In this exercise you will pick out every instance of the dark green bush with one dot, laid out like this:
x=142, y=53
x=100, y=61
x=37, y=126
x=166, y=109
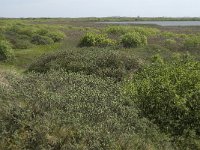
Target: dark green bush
x=58, y=110
x=171, y=44
x=93, y=39
x=102, y=62
x=21, y=44
x=118, y=30
x=121, y=30
x=6, y=52
x=41, y=40
x=168, y=93
x=133, y=39
x=56, y=36
x=42, y=31
x=192, y=43
x=21, y=35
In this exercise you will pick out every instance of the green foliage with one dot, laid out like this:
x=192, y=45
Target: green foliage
x=21, y=44
x=56, y=36
x=6, y=52
x=170, y=43
x=41, y=40
x=133, y=39
x=71, y=111
x=102, y=62
x=121, y=30
x=93, y=39
x=192, y=43
x=22, y=35
x=168, y=93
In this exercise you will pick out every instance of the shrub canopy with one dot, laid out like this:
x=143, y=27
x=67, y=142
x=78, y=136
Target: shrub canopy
x=168, y=93
x=6, y=52
x=133, y=39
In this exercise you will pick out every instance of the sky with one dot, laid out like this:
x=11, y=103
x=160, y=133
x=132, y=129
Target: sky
x=99, y=8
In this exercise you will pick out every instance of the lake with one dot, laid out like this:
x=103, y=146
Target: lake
x=160, y=23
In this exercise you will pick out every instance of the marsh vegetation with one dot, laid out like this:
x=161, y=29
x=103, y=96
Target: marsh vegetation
x=75, y=84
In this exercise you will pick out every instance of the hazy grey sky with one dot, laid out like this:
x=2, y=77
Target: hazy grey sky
x=99, y=8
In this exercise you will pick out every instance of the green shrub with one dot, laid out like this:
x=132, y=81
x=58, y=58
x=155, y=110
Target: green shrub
x=21, y=44
x=6, y=52
x=146, y=31
x=41, y=40
x=1, y=37
x=168, y=93
x=170, y=43
x=169, y=35
x=133, y=40
x=56, y=36
x=93, y=39
x=22, y=35
x=192, y=43
x=119, y=30
x=42, y=31
x=102, y=62
x=58, y=110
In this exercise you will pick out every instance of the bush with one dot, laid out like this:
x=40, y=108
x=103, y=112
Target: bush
x=21, y=44
x=118, y=30
x=192, y=43
x=56, y=36
x=6, y=52
x=21, y=35
x=171, y=44
x=42, y=31
x=121, y=30
x=41, y=40
x=102, y=62
x=168, y=93
x=92, y=39
x=58, y=110
x=133, y=40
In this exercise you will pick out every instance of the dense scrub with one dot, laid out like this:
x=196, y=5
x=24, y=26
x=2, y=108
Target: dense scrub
x=6, y=52
x=192, y=43
x=102, y=62
x=133, y=39
x=23, y=36
x=168, y=93
x=77, y=97
x=93, y=39
x=72, y=111
x=121, y=30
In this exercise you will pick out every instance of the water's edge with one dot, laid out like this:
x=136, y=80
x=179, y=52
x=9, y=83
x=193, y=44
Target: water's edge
x=160, y=23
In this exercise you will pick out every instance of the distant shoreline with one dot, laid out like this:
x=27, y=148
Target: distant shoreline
x=115, y=19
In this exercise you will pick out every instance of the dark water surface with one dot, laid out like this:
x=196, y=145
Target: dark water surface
x=160, y=23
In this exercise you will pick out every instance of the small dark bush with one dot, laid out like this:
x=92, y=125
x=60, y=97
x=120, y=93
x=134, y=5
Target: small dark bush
x=56, y=36
x=192, y=43
x=21, y=44
x=41, y=40
x=6, y=52
x=133, y=39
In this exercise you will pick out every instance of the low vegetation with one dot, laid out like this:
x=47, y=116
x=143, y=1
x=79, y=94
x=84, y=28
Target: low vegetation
x=101, y=62
x=168, y=93
x=76, y=84
x=99, y=40
x=134, y=40
x=6, y=52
